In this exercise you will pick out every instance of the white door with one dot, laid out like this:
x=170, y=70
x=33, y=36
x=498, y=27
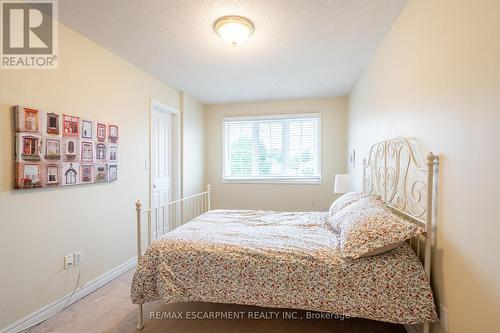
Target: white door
x=162, y=144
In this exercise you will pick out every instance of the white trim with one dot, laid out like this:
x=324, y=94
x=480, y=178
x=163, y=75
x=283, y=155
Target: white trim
x=177, y=167
x=163, y=107
x=55, y=307
x=273, y=116
x=291, y=180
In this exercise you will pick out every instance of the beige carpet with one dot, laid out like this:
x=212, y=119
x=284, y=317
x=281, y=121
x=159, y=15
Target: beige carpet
x=109, y=310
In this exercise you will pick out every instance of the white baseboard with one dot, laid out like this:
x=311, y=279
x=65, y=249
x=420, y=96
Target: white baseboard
x=52, y=309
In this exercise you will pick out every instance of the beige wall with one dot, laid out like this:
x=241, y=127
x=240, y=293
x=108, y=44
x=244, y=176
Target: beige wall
x=290, y=197
x=193, y=138
x=436, y=78
x=38, y=227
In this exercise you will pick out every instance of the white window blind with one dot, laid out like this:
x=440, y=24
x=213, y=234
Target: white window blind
x=274, y=148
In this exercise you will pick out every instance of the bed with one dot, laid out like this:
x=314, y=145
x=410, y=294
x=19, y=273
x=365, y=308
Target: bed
x=292, y=259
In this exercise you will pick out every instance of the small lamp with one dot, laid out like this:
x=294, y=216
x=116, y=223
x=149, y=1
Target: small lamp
x=341, y=183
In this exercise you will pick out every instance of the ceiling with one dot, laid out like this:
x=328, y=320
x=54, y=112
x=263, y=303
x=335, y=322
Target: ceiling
x=300, y=48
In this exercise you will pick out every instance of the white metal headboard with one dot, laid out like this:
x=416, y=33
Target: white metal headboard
x=396, y=172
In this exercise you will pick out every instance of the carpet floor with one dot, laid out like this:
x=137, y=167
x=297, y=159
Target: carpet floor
x=108, y=310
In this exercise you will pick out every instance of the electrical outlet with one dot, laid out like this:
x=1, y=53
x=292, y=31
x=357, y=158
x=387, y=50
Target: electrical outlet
x=68, y=261
x=78, y=258
x=443, y=316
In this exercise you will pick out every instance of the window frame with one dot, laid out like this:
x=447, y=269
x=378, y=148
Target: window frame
x=113, y=153
x=269, y=180
x=51, y=129
x=34, y=113
x=101, y=137
x=85, y=124
x=68, y=153
x=49, y=167
x=89, y=169
x=35, y=167
x=35, y=145
x=72, y=171
x=55, y=156
x=69, y=121
x=98, y=148
x=90, y=145
x=113, y=137
x=112, y=172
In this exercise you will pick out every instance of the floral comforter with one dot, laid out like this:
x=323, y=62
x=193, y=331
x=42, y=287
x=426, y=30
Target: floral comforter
x=285, y=260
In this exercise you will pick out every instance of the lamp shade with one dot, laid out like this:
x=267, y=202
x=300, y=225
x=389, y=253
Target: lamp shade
x=341, y=183
x=234, y=30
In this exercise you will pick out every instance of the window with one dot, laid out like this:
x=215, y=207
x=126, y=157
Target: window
x=101, y=132
x=70, y=175
x=87, y=173
x=30, y=146
x=31, y=120
x=52, y=149
x=112, y=153
x=70, y=125
x=112, y=173
x=30, y=176
x=113, y=133
x=100, y=151
x=87, y=151
x=52, y=123
x=272, y=148
x=52, y=174
x=31, y=172
x=70, y=148
x=86, y=129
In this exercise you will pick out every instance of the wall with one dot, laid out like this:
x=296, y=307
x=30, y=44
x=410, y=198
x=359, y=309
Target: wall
x=436, y=77
x=38, y=227
x=291, y=197
x=193, y=138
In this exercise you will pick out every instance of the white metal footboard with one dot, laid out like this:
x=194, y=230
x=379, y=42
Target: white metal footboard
x=165, y=218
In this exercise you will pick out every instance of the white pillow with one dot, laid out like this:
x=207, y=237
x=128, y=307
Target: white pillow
x=345, y=200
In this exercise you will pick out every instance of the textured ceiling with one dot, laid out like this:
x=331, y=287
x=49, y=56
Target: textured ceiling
x=300, y=48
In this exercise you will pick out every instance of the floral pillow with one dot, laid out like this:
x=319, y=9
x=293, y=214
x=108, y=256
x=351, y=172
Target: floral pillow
x=366, y=227
x=345, y=200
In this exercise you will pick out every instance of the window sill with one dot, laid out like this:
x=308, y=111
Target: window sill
x=273, y=181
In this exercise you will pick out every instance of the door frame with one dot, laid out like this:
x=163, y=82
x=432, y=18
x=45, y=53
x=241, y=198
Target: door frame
x=176, y=147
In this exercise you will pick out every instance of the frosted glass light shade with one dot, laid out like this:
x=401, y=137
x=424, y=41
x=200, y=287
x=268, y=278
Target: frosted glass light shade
x=234, y=30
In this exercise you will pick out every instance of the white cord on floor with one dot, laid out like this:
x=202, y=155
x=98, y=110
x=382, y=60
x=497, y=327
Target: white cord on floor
x=65, y=305
x=73, y=292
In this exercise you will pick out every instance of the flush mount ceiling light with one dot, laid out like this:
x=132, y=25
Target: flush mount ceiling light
x=234, y=30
